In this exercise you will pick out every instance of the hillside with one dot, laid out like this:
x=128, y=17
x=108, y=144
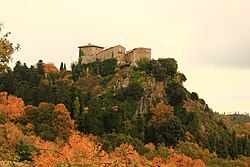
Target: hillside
x=114, y=114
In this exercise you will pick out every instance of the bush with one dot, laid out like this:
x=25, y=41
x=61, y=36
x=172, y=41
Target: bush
x=24, y=151
x=194, y=151
x=133, y=91
x=112, y=140
x=176, y=93
x=194, y=96
x=161, y=69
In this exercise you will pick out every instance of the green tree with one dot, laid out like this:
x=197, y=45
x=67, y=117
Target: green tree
x=77, y=71
x=161, y=69
x=111, y=141
x=64, y=67
x=194, y=96
x=222, y=149
x=50, y=121
x=247, y=146
x=234, y=149
x=176, y=93
x=76, y=108
x=61, y=67
x=107, y=67
x=24, y=151
x=40, y=68
x=169, y=66
x=81, y=54
x=133, y=91
x=221, y=123
x=170, y=130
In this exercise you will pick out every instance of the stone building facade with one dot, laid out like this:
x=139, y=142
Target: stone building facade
x=91, y=53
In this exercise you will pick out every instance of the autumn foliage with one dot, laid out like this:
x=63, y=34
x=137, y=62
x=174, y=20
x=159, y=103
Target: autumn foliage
x=44, y=136
x=50, y=68
x=11, y=136
x=161, y=109
x=116, y=110
x=11, y=107
x=79, y=150
x=183, y=161
x=82, y=150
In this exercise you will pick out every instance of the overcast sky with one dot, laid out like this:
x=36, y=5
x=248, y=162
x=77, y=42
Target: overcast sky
x=210, y=39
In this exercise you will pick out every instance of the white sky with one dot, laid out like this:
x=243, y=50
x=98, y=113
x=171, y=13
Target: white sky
x=210, y=39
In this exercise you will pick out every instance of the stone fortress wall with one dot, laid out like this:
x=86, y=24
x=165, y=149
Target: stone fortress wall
x=91, y=53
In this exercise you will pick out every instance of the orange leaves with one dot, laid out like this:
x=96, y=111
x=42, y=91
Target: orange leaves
x=10, y=136
x=159, y=90
x=161, y=109
x=158, y=162
x=10, y=106
x=126, y=155
x=50, y=68
x=79, y=150
x=62, y=113
x=62, y=120
x=49, y=155
x=184, y=161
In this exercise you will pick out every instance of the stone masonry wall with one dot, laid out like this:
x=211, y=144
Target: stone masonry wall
x=93, y=53
x=117, y=52
x=138, y=54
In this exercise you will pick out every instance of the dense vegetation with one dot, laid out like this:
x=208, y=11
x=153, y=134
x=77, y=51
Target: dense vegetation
x=104, y=114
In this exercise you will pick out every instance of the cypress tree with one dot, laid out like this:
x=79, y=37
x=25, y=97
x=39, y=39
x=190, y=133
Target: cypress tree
x=76, y=108
x=81, y=54
x=64, y=67
x=61, y=66
x=226, y=152
x=234, y=149
x=246, y=146
x=40, y=68
x=222, y=148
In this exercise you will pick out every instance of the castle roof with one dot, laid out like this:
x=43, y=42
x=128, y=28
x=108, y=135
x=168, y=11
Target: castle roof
x=111, y=48
x=141, y=48
x=90, y=45
x=137, y=49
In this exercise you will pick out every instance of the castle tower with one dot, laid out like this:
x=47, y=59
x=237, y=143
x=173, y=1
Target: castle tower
x=138, y=54
x=87, y=53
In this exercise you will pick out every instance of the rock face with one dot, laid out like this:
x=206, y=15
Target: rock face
x=91, y=53
x=155, y=91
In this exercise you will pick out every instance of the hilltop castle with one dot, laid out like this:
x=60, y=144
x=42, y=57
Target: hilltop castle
x=91, y=53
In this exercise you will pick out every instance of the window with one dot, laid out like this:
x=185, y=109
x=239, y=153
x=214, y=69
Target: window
x=119, y=50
